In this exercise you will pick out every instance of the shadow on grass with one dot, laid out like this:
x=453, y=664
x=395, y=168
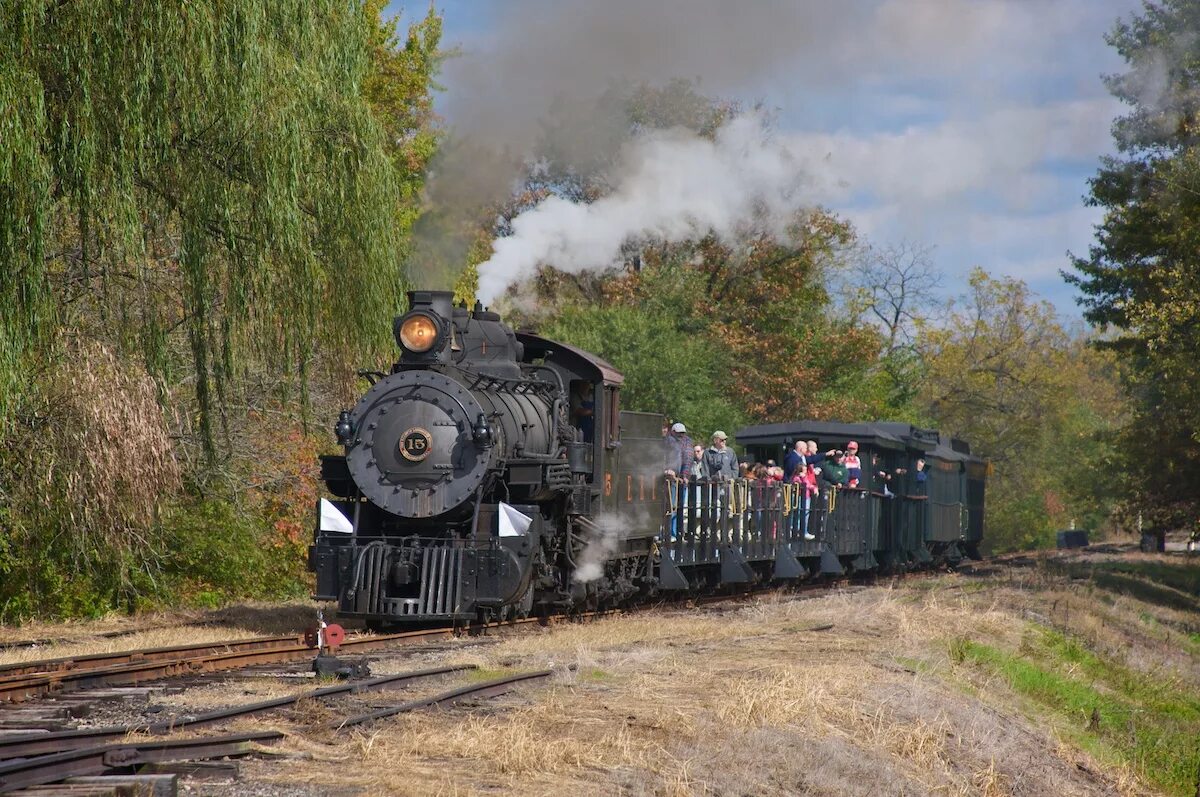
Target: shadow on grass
x=1173, y=586
x=269, y=620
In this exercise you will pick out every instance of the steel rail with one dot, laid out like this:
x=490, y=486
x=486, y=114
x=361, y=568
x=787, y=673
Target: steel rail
x=24, y=687
x=32, y=744
x=27, y=772
x=9, y=672
x=41, y=770
x=483, y=689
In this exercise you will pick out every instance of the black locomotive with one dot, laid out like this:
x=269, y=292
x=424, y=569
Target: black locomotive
x=492, y=474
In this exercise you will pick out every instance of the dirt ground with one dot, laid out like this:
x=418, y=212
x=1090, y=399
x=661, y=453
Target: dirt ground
x=902, y=688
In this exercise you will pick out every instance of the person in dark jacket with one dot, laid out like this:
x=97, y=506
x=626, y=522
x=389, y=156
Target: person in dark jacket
x=835, y=472
x=794, y=459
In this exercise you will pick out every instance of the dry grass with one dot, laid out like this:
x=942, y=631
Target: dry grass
x=80, y=638
x=745, y=701
x=751, y=699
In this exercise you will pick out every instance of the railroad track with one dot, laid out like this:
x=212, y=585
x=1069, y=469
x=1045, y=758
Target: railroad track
x=92, y=758
x=29, y=680
x=42, y=757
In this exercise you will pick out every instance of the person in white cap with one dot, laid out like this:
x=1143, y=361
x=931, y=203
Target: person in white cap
x=678, y=452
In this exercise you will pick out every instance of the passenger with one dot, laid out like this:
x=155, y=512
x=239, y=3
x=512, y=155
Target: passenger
x=758, y=493
x=806, y=476
x=883, y=477
x=794, y=459
x=922, y=475
x=720, y=464
x=583, y=410
x=802, y=455
x=677, y=452
x=696, y=465
x=853, y=465
x=834, y=473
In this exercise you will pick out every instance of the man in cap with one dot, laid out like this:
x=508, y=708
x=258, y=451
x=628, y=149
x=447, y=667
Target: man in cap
x=677, y=452
x=835, y=470
x=720, y=464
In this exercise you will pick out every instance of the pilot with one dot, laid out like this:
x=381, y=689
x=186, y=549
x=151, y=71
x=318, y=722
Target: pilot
x=583, y=410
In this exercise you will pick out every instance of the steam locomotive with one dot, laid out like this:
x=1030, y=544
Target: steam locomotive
x=492, y=474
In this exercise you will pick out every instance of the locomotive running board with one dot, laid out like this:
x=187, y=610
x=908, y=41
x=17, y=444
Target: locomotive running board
x=787, y=565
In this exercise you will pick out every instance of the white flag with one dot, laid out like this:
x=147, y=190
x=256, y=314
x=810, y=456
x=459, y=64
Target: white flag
x=512, y=522
x=332, y=519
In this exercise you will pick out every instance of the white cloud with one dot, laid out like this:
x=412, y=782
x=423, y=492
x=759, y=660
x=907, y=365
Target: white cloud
x=1006, y=152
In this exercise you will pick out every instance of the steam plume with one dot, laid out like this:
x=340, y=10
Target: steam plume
x=602, y=544
x=670, y=185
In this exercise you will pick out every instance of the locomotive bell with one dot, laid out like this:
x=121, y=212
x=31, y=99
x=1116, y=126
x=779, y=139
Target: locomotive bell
x=423, y=333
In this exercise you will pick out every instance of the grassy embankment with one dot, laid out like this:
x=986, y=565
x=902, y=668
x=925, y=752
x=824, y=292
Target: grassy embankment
x=1145, y=719
x=1054, y=679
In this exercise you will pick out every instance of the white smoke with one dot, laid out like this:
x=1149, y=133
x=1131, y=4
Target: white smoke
x=670, y=185
x=599, y=548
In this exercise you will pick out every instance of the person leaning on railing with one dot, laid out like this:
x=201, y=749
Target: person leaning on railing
x=677, y=452
x=696, y=464
x=834, y=473
x=720, y=463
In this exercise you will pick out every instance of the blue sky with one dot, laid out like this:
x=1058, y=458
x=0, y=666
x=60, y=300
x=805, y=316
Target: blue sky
x=968, y=125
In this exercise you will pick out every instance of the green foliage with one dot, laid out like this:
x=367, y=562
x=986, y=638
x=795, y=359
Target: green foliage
x=1031, y=398
x=666, y=369
x=213, y=167
x=1113, y=712
x=204, y=211
x=218, y=551
x=1141, y=277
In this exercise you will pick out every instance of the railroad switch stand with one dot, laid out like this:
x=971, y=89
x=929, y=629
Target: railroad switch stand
x=326, y=638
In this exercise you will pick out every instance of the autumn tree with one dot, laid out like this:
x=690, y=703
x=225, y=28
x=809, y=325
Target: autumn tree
x=1141, y=278
x=1033, y=399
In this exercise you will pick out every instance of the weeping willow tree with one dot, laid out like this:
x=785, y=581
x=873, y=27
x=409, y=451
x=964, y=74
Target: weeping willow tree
x=191, y=191
x=210, y=166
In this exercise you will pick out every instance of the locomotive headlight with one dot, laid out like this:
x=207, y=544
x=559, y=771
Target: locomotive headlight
x=418, y=333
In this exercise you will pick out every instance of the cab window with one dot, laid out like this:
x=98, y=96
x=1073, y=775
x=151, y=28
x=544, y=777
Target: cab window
x=612, y=425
